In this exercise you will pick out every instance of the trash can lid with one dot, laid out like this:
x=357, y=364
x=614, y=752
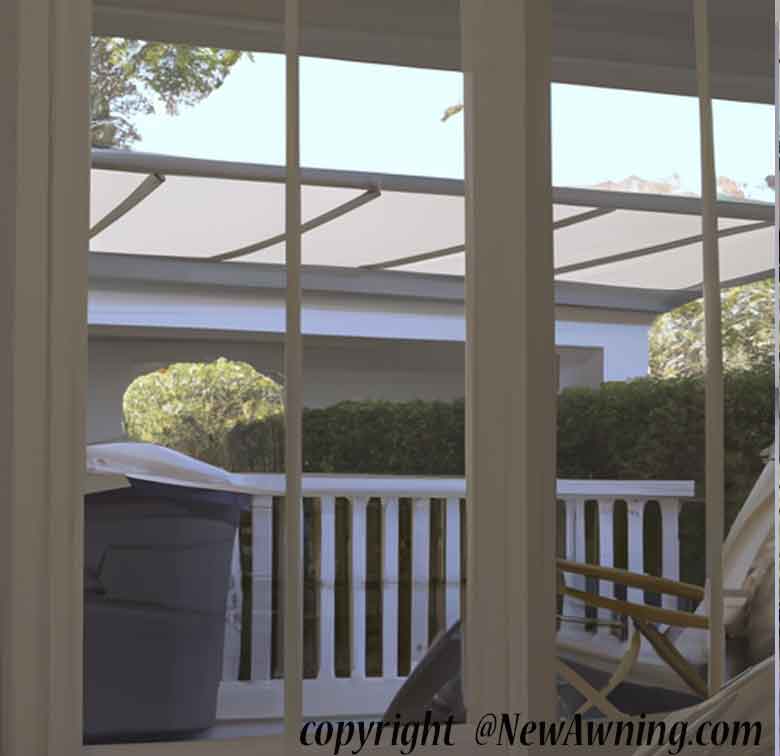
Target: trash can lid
x=110, y=465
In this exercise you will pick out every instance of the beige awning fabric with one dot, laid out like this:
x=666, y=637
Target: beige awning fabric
x=206, y=210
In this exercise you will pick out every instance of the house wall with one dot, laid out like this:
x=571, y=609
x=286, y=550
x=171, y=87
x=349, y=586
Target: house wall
x=340, y=369
x=333, y=370
x=625, y=345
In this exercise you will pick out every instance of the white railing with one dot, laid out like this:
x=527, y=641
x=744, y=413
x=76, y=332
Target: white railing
x=358, y=694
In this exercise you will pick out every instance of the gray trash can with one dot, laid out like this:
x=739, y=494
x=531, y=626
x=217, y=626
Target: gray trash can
x=156, y=573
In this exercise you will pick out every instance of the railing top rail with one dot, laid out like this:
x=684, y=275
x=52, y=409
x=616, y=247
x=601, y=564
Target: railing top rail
x=151, y=462
x=430, y=486
x=355, y=485
x=626, y=489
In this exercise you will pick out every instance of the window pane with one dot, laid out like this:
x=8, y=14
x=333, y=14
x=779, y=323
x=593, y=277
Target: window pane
x=184, y=578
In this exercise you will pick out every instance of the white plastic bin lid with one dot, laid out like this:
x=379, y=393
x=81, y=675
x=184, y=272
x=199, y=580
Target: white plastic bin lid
x=110, y=465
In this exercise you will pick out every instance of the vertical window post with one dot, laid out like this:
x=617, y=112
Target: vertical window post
x=44, y=220
x=510, y=614
x=293, y=510
x=714, y=484
x=776, y=63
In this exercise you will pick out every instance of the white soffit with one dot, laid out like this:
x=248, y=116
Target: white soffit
x=408, y=224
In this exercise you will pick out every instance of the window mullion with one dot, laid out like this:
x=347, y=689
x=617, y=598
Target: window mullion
x=293, y=592
x=713, y=418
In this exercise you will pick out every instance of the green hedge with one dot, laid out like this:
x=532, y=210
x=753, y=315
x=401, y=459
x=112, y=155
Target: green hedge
x=393, y=438
x=653, y=428
x=649, y=428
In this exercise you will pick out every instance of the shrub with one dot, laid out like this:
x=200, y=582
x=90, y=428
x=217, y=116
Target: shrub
x=195, y=408
x=394, y=438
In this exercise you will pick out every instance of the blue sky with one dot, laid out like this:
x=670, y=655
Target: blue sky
x=358, y=116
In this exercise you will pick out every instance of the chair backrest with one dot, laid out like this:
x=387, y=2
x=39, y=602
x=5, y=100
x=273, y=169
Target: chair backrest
x=742, y=550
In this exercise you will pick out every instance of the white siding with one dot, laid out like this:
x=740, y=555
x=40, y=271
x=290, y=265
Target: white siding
x=625, y=345
x=334, y=370
x=339, y=369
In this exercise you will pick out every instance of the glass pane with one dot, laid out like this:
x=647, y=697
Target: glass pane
x=631, y=447
x=590, y=126
x=384, y=379
x=183, y=593
x=349, y=110
x=218, y=105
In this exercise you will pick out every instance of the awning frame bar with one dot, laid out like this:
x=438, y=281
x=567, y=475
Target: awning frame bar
x=140, y=162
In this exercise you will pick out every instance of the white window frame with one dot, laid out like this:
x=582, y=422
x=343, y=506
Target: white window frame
x=44, y=197
x=510, y=359
x=776, y=450
x=509, y=658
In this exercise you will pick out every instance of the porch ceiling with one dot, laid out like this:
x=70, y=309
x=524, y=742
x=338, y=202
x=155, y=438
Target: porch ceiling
x=642, y=44
x=148, y=205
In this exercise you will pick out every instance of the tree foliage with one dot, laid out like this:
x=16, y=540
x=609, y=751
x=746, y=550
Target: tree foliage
x=194, y=407
x=677, y=338
x=130, y=77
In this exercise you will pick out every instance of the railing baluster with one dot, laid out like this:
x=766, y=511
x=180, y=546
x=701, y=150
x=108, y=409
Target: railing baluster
x=231, y=656
x=358, y=635
x=573, y=494
x=327, y=669
x=636, y=545
x=606, y=555
x=262, y=584
x=390, y=587
x=452, y=562
x=575, y=551
x=670, y=540
x=421, y=524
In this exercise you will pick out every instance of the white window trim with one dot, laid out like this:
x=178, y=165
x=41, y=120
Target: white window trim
x=509, y=663
x=44, y=341
x=48, y=352
x=510, y=360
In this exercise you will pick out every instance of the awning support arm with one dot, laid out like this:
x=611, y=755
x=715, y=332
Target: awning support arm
x=138, y=195
x=320, y=220
x=447, y=251
x=656, y=248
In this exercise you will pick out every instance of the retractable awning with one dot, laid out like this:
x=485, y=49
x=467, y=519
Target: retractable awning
x=187, y=209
